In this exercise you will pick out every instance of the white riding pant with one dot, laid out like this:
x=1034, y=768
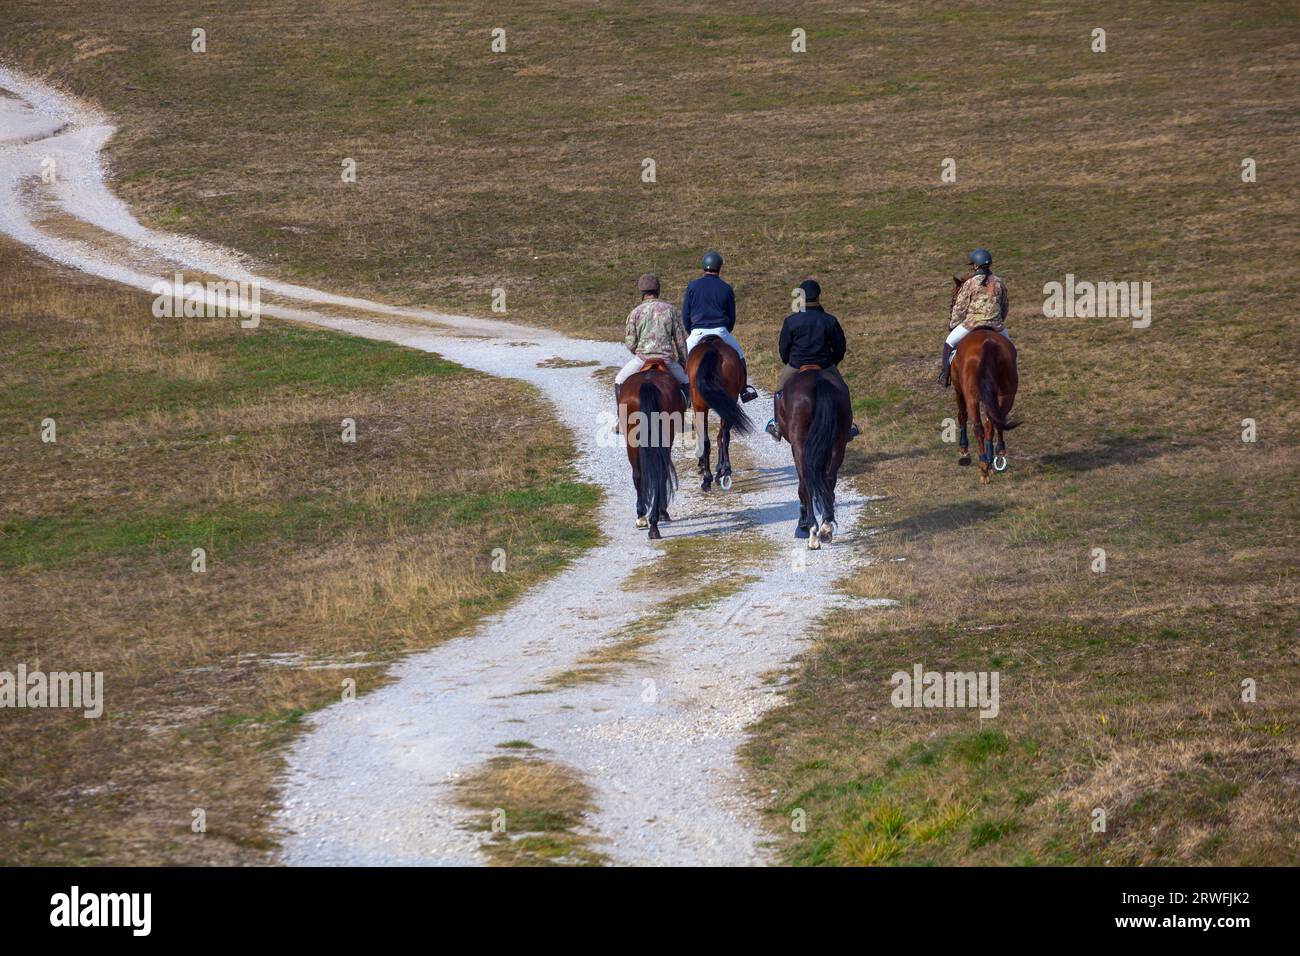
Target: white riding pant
x=634, y=366
x=693, y=339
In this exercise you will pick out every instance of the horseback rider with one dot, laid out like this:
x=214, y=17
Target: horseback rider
x=709, y=308
x=810, y=337
x=654, y=332
x=981, y=302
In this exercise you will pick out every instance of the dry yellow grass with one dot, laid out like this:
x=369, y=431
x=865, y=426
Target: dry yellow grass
x=324, y=560
x=534, y=811
x=522, y=171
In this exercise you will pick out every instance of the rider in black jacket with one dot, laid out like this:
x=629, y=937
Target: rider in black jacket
x=810, y=337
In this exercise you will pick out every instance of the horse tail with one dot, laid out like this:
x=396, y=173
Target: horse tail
x=818, y=444
x=708, y=381
x=658, y=476
x=989, y=359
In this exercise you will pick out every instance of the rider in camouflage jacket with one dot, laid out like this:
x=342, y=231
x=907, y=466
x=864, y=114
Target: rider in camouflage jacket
x=980, y=302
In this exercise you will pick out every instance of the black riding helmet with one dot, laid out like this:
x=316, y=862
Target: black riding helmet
x=981, y=258
x=712, y=261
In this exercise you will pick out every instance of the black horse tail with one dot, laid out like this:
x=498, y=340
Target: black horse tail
x=818, y=444
x=989, y=387
x=708, y=381
x=658, y=476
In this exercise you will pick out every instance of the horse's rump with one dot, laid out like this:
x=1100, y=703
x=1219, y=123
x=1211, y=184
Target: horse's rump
x=996, y=367
x=719, y=390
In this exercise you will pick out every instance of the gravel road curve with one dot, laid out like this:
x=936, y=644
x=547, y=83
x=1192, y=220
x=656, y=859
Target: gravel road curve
x=370, y=782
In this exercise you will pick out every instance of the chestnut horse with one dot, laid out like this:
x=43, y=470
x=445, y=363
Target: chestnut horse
x=651, y=407
x=815, y=414
x=717, y=377
x=984, y=373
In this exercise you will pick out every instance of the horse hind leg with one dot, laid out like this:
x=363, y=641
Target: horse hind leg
x=963, y=443
x=639, y=485
x=827, y=528
x=984, y=441
x=724, y=457
x=702, y=465
x=1000, y=452
x=801, y=529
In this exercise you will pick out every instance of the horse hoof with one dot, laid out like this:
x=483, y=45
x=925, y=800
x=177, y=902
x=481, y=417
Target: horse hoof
x=963, y=458
x=814, y=543
x=984, y=478
x=1000, y=463
x=705, y=484
x=654, y=534
x=725, y=482
x=801, y=532
x=825, y=531
x=642, y=523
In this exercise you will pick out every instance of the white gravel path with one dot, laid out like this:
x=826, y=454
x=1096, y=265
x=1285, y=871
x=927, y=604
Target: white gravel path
x=369, y=783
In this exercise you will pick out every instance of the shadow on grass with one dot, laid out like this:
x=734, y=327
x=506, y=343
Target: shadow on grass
x=946, y=518
x=1114, y=450
x=859, y=462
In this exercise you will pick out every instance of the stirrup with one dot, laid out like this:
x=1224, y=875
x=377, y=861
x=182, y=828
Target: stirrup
x=748, y=394
x=773, y=429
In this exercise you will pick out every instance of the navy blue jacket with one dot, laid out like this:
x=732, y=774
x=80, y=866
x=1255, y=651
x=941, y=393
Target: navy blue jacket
x=812, y=337
x=709, y=303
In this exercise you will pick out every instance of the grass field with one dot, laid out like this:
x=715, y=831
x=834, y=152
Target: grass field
x=522, y=170
x=324, y=559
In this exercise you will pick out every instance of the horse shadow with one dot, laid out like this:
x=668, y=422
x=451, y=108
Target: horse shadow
x=861, y=462
x=945, y=518
x=1114, y=450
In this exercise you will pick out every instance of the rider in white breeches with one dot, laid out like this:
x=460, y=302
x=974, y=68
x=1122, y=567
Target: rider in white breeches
x=694, y=338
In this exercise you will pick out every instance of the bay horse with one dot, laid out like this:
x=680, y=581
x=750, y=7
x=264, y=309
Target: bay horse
x=651, y=408
x=814, y=414
x=717, y=376
x=984, y=374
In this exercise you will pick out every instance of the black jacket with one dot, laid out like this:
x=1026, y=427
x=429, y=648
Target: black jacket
x=812, y=337
x=709, y=303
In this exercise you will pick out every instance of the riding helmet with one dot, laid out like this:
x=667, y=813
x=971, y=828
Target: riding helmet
x=712, y=261
x=649, y=282
x=981, y=258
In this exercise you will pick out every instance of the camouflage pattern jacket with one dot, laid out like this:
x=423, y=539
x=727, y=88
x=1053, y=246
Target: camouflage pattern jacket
x=655, y=330
x=980, y=305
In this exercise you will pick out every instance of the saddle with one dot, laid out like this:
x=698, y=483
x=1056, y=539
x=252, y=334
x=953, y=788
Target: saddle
x=813, y=367
x=655, y=365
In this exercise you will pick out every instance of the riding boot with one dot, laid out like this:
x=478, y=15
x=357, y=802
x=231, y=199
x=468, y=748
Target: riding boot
x=747, y=394
x=686, y=394
x=772, y=428
x=945, y=373
x=618, y=418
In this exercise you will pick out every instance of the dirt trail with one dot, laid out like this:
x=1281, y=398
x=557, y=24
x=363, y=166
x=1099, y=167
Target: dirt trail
x=370, y=782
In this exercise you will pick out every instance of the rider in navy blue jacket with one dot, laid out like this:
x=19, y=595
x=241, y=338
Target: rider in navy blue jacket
x=709, y=308
x=709, y=303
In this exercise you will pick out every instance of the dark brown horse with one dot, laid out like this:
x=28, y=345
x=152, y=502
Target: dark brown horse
x=984, y=374
x=717, y=377
x=814, y=414
x=651, y=408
